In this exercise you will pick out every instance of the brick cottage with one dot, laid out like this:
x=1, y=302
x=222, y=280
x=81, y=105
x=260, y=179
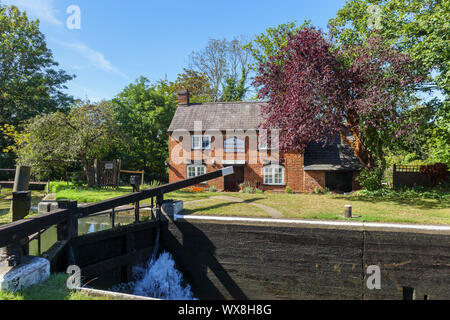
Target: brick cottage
x=209, y=136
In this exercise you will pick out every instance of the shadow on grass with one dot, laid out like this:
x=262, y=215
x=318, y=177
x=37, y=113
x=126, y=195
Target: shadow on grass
x=217, y=206
x=414, y=201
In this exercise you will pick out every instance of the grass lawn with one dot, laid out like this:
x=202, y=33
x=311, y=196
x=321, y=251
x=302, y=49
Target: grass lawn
x=400, y=207
x=53, y=289
x=374, y=209
x=223, y=208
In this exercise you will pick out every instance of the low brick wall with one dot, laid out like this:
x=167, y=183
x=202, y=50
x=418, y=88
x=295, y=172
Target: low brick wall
x=249, y=260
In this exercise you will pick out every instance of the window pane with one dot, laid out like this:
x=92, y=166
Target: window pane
x=206, y=141
x=273, y=174
x=196, y=142
x=191, y=171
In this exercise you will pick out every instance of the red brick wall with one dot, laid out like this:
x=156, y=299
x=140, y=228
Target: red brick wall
x=293, y=164
x=314, y=179
x=294, y=176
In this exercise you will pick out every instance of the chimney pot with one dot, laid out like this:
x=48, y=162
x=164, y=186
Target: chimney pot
x=183, y=97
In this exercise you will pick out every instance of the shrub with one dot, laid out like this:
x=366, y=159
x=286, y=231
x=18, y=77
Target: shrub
x=212, y=189
x=249, y=190
x=56, y=186
x=371, y=179
x=317, y=191
x=153, y=184
x=259, y=191
x=77, y=178
x=288, y=189
x=247, y=185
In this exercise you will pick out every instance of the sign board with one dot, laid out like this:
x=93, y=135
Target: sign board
x=109, y=166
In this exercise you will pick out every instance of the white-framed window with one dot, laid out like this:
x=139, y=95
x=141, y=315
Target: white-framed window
x=262, y=143
x=194, y=170
x=273, y=175
x=199, y=142
x=234, y=145
x=267, y=141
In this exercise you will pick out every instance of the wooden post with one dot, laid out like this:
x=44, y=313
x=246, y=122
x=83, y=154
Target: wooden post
x=134, y=181
x=69, y=228
x=113, y=217
x=21, y=204
x=22, y=178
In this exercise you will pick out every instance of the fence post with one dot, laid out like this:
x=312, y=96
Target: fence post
x=68, y=229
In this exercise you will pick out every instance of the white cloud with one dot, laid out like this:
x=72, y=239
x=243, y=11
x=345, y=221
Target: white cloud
x=97, y=59
x=41, y=9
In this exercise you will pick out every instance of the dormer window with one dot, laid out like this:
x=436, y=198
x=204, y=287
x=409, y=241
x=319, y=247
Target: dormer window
x=200, y=142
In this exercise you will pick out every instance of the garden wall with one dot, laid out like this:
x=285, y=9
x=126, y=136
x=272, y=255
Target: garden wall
x=251, y=260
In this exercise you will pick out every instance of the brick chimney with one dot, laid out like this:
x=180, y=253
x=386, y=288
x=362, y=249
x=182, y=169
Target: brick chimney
x=183, y=97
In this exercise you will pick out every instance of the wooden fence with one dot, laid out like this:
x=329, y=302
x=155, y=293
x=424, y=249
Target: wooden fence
x=410, y=176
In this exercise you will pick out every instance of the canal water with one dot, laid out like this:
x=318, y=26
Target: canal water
x=157, y=278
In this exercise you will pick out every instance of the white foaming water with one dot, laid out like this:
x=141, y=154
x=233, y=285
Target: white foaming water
x=158, y=279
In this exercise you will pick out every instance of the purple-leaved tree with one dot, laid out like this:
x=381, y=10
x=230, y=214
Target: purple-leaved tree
x=315, y=91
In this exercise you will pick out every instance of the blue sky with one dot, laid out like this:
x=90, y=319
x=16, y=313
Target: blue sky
x=122, y=40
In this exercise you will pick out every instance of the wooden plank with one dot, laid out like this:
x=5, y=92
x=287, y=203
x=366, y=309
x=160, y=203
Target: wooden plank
x=23, y=228
x=113, y=263
x=34, y=186
x=113, y=233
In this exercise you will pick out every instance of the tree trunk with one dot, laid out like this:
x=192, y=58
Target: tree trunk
x=360, y=151
x=87, y=171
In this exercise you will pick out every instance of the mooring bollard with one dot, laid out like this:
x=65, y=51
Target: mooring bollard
x=348, y=211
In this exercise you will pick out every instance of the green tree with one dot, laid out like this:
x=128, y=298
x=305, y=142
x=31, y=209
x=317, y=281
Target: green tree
x=196, y=83
x=235, y=89
x=268, y=44
x=30, y=83
x=87, y=132
x=143, y=113
x=419, y=27
x=439, y=140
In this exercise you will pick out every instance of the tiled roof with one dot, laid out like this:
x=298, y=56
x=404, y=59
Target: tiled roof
x=332, y=157
x=218, y=116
